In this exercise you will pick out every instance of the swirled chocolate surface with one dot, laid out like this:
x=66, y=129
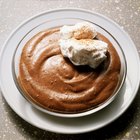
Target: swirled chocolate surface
x=54, y=83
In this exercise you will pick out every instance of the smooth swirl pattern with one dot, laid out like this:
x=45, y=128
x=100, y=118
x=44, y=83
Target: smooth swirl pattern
x=54, y=83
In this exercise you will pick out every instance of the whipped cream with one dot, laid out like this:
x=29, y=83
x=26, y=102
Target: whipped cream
x=78, y=44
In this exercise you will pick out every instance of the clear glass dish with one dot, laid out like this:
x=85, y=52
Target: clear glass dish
x=56, y=23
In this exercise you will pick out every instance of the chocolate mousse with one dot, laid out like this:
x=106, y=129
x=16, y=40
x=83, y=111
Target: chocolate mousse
x=53, y=82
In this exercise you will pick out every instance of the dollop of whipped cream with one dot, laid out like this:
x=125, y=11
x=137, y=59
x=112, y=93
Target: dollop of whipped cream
x=78, y=44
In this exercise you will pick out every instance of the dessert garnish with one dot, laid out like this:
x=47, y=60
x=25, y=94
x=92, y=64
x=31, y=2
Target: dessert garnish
x=78, y=43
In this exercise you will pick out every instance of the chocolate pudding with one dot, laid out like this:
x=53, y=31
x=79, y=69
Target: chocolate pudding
x=54, y=83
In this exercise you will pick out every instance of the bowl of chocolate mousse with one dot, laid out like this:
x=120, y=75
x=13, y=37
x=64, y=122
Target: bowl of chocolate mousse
x=72, y=68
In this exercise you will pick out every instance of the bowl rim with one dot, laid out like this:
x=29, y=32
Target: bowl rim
x=86, y=112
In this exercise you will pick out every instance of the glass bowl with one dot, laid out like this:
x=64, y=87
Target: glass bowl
x=57, y=23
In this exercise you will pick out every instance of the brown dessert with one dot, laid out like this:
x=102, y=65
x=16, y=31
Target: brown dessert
x=54, y=83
